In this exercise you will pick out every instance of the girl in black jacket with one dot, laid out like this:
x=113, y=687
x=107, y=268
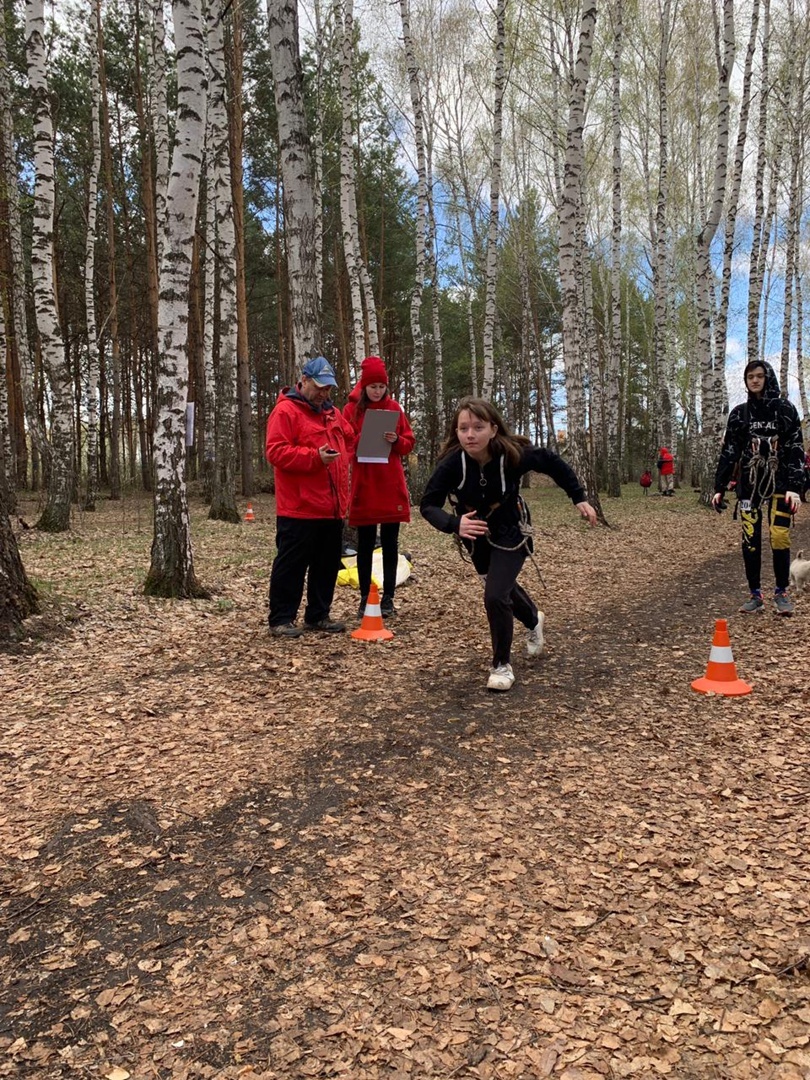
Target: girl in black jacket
x=479, y=471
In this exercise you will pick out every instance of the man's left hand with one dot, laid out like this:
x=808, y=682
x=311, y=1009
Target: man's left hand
x=588, y=512
x=793, y=501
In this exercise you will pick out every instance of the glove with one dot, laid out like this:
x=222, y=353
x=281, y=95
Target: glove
x=792, y=500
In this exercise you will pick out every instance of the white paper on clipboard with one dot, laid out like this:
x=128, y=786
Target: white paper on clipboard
x=373, y=447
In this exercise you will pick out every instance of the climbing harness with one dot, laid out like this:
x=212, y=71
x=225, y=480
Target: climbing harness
x=524, y=524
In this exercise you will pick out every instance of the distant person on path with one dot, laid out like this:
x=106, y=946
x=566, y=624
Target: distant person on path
x=309, y=444
x=666, y=472
x=646, y=481
x=479, y=471
x=379, y=491
x=764, y=435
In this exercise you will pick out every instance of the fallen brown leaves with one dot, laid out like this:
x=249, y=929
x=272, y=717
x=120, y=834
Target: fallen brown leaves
x=229, y=856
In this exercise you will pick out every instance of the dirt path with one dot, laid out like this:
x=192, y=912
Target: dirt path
x=231, y=857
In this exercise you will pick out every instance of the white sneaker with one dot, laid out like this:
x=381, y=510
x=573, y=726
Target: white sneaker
x=501, y=677
x=535, y=642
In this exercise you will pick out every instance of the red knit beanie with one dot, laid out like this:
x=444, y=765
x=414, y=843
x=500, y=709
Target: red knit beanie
x=372, y=370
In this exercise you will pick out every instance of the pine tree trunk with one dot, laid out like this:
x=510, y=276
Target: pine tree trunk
x=171, y=573
x=18, y=598
x=56, y=513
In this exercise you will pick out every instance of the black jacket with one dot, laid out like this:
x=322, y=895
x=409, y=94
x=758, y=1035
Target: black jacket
x=493, y=493
x=765, y=435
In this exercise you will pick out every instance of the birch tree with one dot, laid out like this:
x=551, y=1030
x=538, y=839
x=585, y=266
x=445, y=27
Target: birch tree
x=712, y=368
x=17, y=331
x=296, y=176
x=90, y=262
x=570, y=211
x=223, y=493
x=56, y=513
x=614, y=483
x=171, y=573
x=418, y=408
x=493, y=233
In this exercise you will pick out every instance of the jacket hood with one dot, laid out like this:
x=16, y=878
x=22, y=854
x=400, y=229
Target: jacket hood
x=355, y=394
x=771, y=388
x=294, y=394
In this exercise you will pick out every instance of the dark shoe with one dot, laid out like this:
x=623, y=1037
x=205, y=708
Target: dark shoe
x=387, y=609
x=361, y=610
x=287, y=629
x=784, y=605
x=326, y=626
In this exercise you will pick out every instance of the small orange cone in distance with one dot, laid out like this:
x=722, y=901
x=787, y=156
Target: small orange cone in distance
x=249, y=513
x=371, y=628
x=721, y=671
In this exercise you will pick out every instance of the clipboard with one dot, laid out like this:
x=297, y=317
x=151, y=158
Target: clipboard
x=372, y=447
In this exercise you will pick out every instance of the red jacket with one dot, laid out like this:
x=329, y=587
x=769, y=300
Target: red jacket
x=666, y=462
x=305, y=487
x=379, y=493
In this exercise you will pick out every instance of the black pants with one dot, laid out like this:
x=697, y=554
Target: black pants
x=504, y=599
x=389, y=541
x=305, y=549
x=779, y=521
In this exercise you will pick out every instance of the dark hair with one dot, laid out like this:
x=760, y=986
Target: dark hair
x=364, y=401
x=504, y=442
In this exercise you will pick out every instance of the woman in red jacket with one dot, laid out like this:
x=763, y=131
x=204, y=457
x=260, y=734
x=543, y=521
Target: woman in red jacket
x=379, y=493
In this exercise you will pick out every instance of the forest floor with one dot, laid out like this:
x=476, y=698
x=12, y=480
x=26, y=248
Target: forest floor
x=226, y=855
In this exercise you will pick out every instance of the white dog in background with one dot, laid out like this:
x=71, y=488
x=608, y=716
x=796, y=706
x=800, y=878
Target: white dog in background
x=799, y=572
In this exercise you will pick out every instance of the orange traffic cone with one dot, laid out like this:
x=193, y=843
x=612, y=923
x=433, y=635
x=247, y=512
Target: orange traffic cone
x=249, y=513
x=371, y=628
x=721, y=671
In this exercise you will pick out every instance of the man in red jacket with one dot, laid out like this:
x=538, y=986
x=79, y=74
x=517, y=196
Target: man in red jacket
x=309, y=445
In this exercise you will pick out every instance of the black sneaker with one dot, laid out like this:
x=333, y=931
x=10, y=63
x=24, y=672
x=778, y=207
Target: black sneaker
x=326, y=626
x=387, y=609
x=287, y=629
x=361, y=610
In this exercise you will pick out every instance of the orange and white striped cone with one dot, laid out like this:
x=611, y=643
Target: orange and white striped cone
x=721, y=671
x=249, y=513
x=371, y=628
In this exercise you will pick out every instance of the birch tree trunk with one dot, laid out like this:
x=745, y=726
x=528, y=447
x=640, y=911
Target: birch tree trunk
x=795, y=83
x=711, y=394
x=90, y=262
x=661, y=244
x=56, y=514
x=756, y=270
x=296, y=176
x=614, y=460
x=159, y=112
x=223, y=494
x=172, y=569
x=112, y=322
x=570, y=211
x=15, y=283
x=721, y=325
x=344, y=22
x=494, y=202
x=418, y=409
x=235, y=66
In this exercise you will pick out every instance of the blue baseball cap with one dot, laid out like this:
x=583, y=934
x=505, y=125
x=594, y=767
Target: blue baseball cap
x=320, y=371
